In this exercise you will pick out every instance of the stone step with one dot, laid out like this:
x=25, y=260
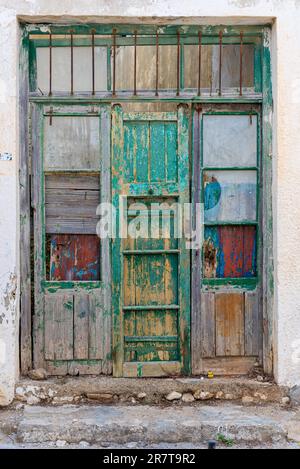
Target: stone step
x=150, y=425
x=148, y=391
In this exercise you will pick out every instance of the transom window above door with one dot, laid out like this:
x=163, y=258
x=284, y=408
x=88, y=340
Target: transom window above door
x=147, y=61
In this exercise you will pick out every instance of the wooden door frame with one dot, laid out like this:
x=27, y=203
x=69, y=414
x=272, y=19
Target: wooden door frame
x=150, y=368
x=26, y=77
x=37, y=204
x=266, y=210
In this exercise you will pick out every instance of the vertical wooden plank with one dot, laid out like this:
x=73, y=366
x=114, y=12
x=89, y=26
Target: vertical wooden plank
x=106, y=274
x=59, y=327
x=157, y=151
x=38, y=318
x=171, y=152
x=50, y=305
x=82, y=314
x=230, y=327
x=97, y=338
x=208, y=325
x=117, y=259
x=253, y=324
x=267, y=231
x=24, y=182
x=63, y=328
x=196, y=332
x=184, y=256
x=141, y=151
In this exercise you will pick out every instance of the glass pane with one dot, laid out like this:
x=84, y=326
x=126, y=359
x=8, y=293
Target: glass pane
x=230, y=195
x=229, y=140
x=231, y=66
x=230, y=252
x=72, y=143
x=61, y=69
x=191, y=66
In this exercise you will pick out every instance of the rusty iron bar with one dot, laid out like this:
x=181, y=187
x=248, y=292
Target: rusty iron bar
x=50, y=64
x=178, y=64
x=241, y=64
x=157, y=64
x=114, y=62
x=220, y=62
x=93, y=61
x=200, y=62
x=135, y=63
x=72, y=63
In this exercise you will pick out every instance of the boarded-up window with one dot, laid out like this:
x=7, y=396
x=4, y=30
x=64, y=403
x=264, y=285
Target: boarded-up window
x=73, y=248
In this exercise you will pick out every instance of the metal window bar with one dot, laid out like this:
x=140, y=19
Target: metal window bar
x=241, y=63
x=220, y=62
x=157, y=65
x=50, y=64
x=178, y=63
x=135, y=63
x=72, y=62
x=200, y=62
x=114, y=38
x=155, y=38
x=93, y=63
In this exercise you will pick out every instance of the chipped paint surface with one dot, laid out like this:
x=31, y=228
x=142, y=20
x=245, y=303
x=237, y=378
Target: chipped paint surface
x=286, y=162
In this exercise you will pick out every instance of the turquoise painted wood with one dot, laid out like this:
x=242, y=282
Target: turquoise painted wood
x=151, y=270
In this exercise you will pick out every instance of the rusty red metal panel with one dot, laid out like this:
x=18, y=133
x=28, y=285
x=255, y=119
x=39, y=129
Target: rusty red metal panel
x=74, y=257
x=230, y=252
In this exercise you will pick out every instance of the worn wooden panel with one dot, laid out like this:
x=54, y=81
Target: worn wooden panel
x=59, y=337
x=253, y=324
x=64, y=181
x=153, y=328
x=208, y=325
x=230, y=252
x=230, y=196
x=160, y=323
x=150, y=151
x=81, y=326
x=153, y=278
x=230, y=324
x=99, y=334
x=191, y=66
x=151, y=369
x=74, y=258
x=71, y=203
x=229, y=366
x=38, y=318
x=24, y=191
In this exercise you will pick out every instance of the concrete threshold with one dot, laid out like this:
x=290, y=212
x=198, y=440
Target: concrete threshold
x=110, y=390
x=140, y=426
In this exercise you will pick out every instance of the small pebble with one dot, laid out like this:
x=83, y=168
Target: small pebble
x=61, y=443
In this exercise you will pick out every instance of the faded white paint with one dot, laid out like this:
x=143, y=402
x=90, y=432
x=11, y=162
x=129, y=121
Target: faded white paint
x=286, y=155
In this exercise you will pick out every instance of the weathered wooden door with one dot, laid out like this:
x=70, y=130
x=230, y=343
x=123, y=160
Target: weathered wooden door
x=151, y=272
x=71, y=175
x=227, y=307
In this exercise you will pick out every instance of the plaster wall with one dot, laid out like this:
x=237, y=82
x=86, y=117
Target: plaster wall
x=286, y=155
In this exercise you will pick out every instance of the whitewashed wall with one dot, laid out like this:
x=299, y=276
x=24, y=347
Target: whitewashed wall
x=286, y=82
